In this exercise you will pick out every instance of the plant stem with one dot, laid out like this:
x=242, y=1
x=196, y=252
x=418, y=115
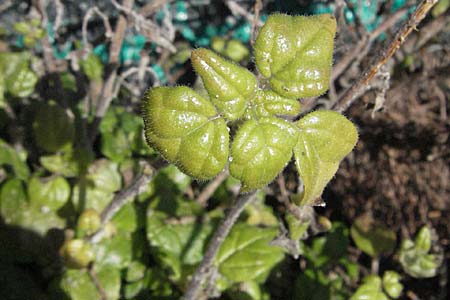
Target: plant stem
x=111, y=70
x=122, y=198
x=207, y=192
x=203, y=271
x=360, y=86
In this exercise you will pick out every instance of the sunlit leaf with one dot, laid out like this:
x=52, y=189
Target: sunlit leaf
x=185, y=129
x=229, y=86
x=246, y=254
x=260, y=151
x=295, y=53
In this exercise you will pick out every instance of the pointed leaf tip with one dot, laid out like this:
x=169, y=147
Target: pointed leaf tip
x=229, y=85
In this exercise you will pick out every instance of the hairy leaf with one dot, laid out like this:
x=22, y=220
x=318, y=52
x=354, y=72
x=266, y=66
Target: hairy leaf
x=260, y=150
x=295, y=53
x=325, y=138
x=268, y=103
x=184, y=128
x=229, y=86
x=246, y=254
x=315, y=174
x=330, y=133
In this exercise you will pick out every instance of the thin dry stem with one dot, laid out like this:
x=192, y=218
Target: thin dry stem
x=204, y=270
x=360, y=86
x=207, y=192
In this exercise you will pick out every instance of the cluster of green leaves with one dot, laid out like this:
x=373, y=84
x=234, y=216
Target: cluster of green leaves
x=16, y=77
x=376, y=288
x=415, y=256
x=293, y=54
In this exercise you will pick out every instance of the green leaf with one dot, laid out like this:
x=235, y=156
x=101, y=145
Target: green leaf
x=260, y=151
x=295, y=53
x=185, y=129
x=121, y=135
x=92, y=66
x=371, y=237
x=50, y=193
x=116, y=251
x=229, y=85
x=415, y=260
x=105, y=176
x=297, y=228
x=61, y=163
x=370, y=290
x=260, y=213
x=53, y=128
x=328, y=248
x=246, y=254
x=316, y=285
x=248, y=290
x=116, y=145
x=77, y=285
x=77, y=254
x=330, y=133
x=13, y=200
x=135, y=271
x=18, y=78
x=21, y=82
x=177, y=245
x=314, y=173
x=126, y=218
x=325, y=138
x=35, y=219
x=391, y=284
x=423, y=240
x=269, y=103
x=15, y=158
x=109, y=279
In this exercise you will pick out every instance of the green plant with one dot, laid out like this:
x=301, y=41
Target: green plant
x=376, y=288
x=415, y=256
x=293, y=55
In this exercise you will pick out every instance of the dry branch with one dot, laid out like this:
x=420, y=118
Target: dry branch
x=204, y=270
x=360, y=86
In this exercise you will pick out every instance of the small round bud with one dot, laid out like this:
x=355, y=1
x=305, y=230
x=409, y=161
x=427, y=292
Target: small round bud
x=77, y=254
x=89, y=221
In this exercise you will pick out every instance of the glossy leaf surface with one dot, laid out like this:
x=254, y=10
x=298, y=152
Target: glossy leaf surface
x=184, y=128
x=50, y=193
x=415, y=257
x=229, y=85
x=391, y=284
x=260, y=150
x=246, y=254
x=268, y=103
x=330, y=133
x=295, y=53
x=325, y=138
x=315, y=174
x=370, y=290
